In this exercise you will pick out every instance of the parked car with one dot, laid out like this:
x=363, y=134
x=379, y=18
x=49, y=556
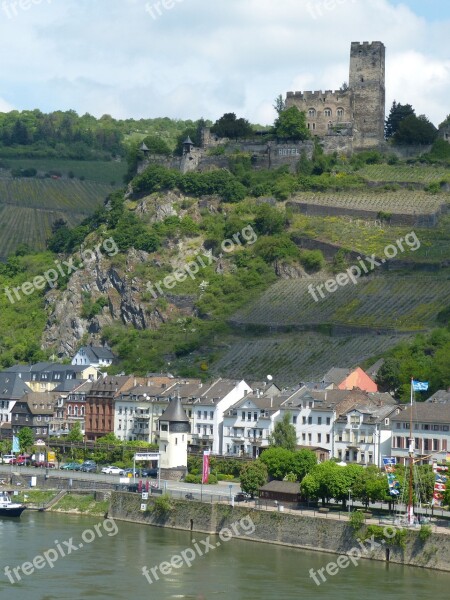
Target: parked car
x=135, y=472
x=70, y=466
x=112, y=470
x=43, y=464
x=8, y=458
x=242, y=497
x=24, y=460
x=150, y=473
x=88, y=467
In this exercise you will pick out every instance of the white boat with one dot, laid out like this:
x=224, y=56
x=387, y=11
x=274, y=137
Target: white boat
x=9, y=508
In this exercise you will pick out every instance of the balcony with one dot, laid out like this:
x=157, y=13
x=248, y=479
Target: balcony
x=141, y=417
x=203, y=436
x=238, y=438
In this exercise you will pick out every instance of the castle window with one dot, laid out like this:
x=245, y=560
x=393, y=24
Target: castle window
x=311, y=112
x=330, y=124
x=308, y=125
x=340, y=112
x=362, y=79
x=314, y=125
x=327, y=112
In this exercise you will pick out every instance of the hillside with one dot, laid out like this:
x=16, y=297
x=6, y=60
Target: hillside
x=242, y=303
x=30, y=206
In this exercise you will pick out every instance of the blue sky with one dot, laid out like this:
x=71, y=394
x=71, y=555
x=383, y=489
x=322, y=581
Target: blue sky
x=201, y=58
x=433, y=10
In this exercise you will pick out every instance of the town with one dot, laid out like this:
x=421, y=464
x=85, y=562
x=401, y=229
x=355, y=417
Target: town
x=343, y=416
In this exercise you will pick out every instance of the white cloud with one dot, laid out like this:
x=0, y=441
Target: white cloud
x=203, y=58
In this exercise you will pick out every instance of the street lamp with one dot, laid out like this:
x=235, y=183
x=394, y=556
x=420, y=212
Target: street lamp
x=349, y=500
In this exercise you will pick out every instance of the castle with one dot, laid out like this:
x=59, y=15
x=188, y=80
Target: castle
x=357, y=112
x=344, y=121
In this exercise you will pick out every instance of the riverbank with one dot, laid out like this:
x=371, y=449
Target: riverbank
x=293, y=530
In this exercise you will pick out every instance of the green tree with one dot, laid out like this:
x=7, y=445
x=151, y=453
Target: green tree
x=280, y=104
x=75, y=434
x=278, y=460
x=291, y=124
x=284, y=435
x=231, y=127
x=268, y=220
x=26, y=439
x=252, y=476
x=416, y=130
x=397, y=113
x=303, y=463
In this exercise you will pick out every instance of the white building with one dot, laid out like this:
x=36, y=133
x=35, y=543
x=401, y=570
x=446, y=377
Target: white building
x=174, y=429
x=94, y=356
x=248, y=424
x=208, y=413
x=321, y=420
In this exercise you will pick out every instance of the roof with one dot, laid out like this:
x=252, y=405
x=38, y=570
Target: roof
x=68, y=385
x=336, y=375
x=175, y=412
x=425, y=412
x=110, y=383
x=38, y=402
x=188, y=141
x=284, y=487
x=95, y=353
x=143, y=147
x=441, y=396
x=12, y=387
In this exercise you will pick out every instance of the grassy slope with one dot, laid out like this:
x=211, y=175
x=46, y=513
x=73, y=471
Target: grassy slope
x=99, y=171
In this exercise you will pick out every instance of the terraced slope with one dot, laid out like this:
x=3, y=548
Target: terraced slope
x=28, y=207
x=405, y=173
x=380, y=303
x=298, y=356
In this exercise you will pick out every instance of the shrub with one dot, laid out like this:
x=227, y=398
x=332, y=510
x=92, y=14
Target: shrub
x=356, y=520
x=162, y=505
x=425, y=532
x=312, y=260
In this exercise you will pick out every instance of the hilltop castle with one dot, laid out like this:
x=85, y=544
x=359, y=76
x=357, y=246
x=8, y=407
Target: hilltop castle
x=356, y=112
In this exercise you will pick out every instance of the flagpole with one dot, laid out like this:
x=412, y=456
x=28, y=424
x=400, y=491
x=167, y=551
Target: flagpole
x=410, y=511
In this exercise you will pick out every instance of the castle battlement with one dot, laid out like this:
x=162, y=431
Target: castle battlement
x=367, y=45
x=331, y=95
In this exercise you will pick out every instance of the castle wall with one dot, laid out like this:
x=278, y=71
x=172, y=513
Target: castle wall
x=323, y=110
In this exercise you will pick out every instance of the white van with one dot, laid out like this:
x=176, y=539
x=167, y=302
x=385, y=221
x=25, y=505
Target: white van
x=7, y=458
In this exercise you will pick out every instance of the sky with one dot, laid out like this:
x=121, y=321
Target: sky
x=187, y=59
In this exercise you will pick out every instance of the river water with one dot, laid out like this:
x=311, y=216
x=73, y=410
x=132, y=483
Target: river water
x=103, y=560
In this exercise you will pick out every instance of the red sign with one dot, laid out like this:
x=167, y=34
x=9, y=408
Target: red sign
x=205, y=473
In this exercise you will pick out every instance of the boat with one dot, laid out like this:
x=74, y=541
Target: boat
x=9, y=508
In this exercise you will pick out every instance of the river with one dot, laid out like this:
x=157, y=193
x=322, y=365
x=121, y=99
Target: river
x=103, y=560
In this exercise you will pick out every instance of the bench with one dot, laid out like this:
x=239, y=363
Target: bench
x=324, y=510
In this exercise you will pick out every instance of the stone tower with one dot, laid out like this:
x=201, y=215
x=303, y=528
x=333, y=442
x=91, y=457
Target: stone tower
x=367, y=83
x=174, y=428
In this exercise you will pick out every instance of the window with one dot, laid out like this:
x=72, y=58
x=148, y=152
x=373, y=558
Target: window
x=327, y=438
x=243, y=415
x=319, y=420
x=294, y=420
x=436, y=445
x=330, y=124
x=211, y=414
x=304, y=420
x=426, y=444
x=398, y=425
x=328, y=420
x=249, y=416
x=304, y=437
x=255, y=416
x=211, y=429
x=319, y=438
x=309, y=437
x=327, y=112
x=311, y=112
x=314, y=125
x=340, y=114
x=205, y=414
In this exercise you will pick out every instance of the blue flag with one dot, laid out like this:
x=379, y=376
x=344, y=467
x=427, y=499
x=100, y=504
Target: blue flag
x=420, y=386
x=15, y=444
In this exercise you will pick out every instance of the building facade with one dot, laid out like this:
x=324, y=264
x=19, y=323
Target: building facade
x=357, y=111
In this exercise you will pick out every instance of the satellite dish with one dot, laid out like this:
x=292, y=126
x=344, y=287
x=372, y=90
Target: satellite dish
x=269, y=377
